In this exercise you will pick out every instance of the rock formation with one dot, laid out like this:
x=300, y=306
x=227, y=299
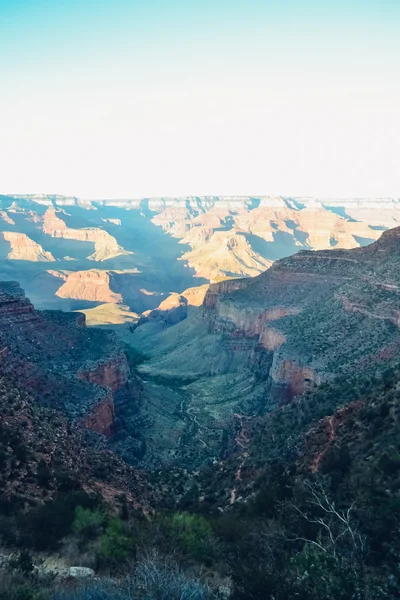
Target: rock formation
x=167, y=245
x=93, y=285
x=21, y=247
x=60, y=361
x=105, y=245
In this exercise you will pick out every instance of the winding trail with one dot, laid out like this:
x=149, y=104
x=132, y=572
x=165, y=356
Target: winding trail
x=242, y=441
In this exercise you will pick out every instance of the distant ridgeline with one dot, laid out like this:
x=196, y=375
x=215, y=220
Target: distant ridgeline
x=77, y=254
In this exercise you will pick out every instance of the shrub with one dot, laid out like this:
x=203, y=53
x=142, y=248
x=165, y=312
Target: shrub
x=44, y=526
x=15, y=586
x=23, y=562
x=193, y=536
x=161, y=578
x=43, y=474
x=87, y=523
x=115, y=545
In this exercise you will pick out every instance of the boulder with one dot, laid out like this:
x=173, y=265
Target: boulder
x=80, y=572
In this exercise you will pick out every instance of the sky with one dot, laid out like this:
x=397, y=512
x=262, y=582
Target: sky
x=128, y=98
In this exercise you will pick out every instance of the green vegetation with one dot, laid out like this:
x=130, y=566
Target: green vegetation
x=134, y=357
x=116, y=545
x=87, y=523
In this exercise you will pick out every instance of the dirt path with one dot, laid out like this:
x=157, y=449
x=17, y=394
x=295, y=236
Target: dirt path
x=242, y=441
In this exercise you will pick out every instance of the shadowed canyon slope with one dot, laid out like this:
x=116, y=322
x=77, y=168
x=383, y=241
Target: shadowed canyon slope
x=136, y=253
x=62, y=363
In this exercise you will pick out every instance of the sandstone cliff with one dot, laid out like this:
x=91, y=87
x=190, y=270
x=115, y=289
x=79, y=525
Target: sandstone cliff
x=93, y=285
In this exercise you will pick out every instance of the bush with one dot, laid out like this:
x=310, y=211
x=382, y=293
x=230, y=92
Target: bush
x=43, y=527
x=15, y=586
x=116, y=546
x=87, y=523
x=193, y=535
x=23, y=562
x=161, y=579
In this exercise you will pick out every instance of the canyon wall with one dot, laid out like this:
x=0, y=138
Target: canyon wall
x=61, y=362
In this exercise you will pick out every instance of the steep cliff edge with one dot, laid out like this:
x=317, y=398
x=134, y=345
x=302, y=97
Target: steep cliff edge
x=61, y=362
x=316, y=310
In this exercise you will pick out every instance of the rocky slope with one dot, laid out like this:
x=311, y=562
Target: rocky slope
x=60, y=362
x=42, y=454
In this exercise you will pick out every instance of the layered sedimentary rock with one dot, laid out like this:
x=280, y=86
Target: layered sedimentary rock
x=60, y=361
x=101, y=418
x=176, y=307
x=165, y=244
x=93, y=285
x=112, y=372
x=21, y=247
x=242, y=236
x=106, y=245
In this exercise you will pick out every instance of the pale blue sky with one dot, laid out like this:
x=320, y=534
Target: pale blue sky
x=166, y=97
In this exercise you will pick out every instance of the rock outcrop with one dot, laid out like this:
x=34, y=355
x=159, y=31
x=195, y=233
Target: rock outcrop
x=102, y=417
x=21, y=247
x=110, y=372
x=175, y=307
x=105, y=245
x=93, y=285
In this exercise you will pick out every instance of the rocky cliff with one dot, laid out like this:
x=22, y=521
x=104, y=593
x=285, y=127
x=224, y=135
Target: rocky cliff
x=61, y=362
x=291, y=308
x=20, y=247
x=93, y=285
x=105, y=245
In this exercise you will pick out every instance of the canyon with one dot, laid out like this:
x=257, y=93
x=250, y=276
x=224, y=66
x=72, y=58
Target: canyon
x=210, y=387
x=147, y=249
x=257, y=344
x=237, y=306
